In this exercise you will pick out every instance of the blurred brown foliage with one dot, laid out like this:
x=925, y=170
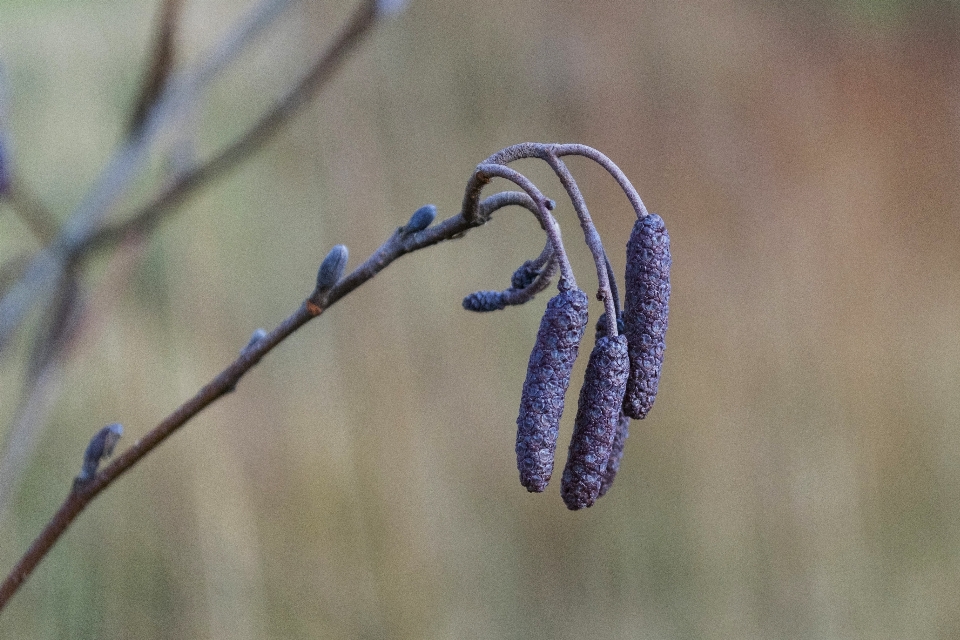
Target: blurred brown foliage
x=799, y=476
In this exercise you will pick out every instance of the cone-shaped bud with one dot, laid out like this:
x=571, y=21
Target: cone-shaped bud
x=598, y=414
x=548, y=376
x=100, y=447
x=616, y=453
x=421, y=219
x=484, y=301
x=331, y=269
x=645, y=308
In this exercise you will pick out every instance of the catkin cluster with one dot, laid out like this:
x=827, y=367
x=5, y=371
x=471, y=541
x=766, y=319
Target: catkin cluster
x=622, y=374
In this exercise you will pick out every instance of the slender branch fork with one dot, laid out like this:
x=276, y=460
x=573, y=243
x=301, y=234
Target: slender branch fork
x=475, y=213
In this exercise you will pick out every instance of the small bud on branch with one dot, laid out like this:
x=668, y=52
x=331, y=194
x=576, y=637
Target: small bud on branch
x=332, y=267
x=421, y=219
x=100, y=447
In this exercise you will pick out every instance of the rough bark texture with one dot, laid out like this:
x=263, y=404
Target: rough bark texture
x=548, y=376
x=646, y=300
x=598, y=416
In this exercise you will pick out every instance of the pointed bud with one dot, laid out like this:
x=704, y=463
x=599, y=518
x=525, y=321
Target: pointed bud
x=331, y=269
x=645, y=308
x=548, y=376
x=255, y=337
x=421, y=219
x=100, y=447
x=598, y=415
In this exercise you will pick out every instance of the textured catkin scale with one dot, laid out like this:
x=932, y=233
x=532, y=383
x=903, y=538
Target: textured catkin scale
x=548, y=376
x=616, y=453
x=598, y=416
x=645, y=307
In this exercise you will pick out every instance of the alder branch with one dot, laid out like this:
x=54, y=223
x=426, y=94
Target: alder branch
x=165, y=99
x=404, y=240
x=397, y=245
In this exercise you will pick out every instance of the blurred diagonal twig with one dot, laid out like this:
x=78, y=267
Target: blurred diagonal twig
x=176, y=102
x=167, y=101
x=160, y=66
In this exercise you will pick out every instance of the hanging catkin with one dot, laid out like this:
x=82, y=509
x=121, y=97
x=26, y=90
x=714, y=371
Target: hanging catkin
x=646, y=300
x=548, y=376
x=598, y=415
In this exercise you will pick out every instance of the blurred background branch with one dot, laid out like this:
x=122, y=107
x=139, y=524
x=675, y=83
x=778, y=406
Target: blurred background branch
x=51, y=279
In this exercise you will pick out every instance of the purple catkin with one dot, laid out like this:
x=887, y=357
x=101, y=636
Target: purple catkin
x=548, y=376
x=616, y=453
x=598, y=416
x=645, y=307
x=484, y=301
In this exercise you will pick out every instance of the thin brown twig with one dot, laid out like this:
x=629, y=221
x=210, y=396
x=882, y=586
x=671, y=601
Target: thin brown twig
x=226, y=381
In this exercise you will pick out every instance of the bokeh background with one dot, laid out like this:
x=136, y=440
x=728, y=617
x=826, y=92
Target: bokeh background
x=799, y=476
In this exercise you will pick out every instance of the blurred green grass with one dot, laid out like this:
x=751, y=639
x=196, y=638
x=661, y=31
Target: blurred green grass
x=800, y=475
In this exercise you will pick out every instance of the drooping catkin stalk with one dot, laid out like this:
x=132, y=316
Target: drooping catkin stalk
x=595, y=429
x=548, y=376
x=645, y=308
